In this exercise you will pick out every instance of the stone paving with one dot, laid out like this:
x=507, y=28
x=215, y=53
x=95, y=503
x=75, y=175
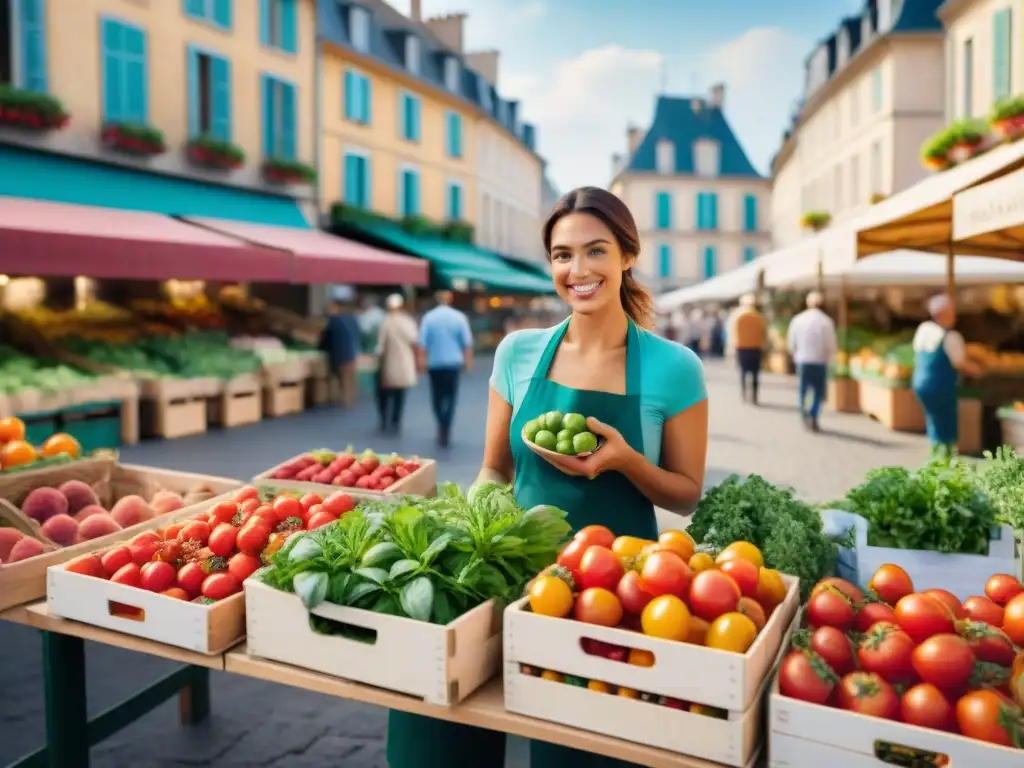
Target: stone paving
x=262, y=724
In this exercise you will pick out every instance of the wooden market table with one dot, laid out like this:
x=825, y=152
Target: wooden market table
x=65, y=690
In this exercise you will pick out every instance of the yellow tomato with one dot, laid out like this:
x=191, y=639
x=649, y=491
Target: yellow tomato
x=555, y=677
x=597, y=685
x=628, y=693
x=743, y=550
x=701, y=561
x=629, y=546
x=667, y=617
x=641, y=658
x=551, y=596
x=732, y=632
x=771, y=589
x=704, y=709
x=679, y=542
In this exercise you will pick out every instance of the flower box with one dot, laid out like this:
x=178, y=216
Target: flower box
x=815, y=220
x=133, y=139
x=963, y=151
x=30, y=110
x=1007, y=118
x=278, y=171
x=211, y=153
x=1009, y=128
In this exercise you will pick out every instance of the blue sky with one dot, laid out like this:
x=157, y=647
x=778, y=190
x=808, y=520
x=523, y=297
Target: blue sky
x=584, y=69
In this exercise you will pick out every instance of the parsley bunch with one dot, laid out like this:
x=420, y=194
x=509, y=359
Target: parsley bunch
x=1001, y=477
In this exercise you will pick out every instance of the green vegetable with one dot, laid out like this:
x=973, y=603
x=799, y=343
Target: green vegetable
x=1001, y=478
x=311, y=587
x=306, y=548
x=418, y=598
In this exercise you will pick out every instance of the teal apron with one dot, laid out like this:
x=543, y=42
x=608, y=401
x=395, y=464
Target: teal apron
x=935, y=384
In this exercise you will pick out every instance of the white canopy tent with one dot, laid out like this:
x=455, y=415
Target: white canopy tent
x=725, y=287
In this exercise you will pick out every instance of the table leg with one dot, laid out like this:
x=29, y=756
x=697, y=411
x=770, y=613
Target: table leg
x=194, y=698
x=67, y=726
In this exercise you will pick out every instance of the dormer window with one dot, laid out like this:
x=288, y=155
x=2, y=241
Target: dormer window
x=485, y=94
x=412, y=54
x=503, y=112
x=842, y=49
x=706, y=158
x=665, y=156
x=451, y=73
x=885, y=15
x=359, y=28
x=865, y=29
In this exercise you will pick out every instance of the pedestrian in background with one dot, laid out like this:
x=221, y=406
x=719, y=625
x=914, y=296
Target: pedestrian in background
x=940, y=355
x=716, y=334
x=747, y=335
x=812, y=342
x=396, y=350
x=341, y=341
x=695, y=330
x=446, y=349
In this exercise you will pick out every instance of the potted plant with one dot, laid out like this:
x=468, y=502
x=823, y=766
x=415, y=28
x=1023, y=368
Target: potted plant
x=967, y=139
x=1007, y=118
x=281, y=171
x=208, y=152
x=133, y=139
x=459, y=231
x=935, y=151
x=419, y=226
x=31, y=110
x=815, y=220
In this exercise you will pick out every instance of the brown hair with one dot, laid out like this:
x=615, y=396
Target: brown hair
x=602, y=204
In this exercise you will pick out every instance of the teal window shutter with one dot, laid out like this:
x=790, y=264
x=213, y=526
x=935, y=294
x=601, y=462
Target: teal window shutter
x=220, y=98
x=454, y=134
x=269, y=137
x=404, y=208
x=749, y=254
x=194, y=128
x=415, y=118
x=136, y=87
x=222, y=13
x=357, y=181
x=712, y=206
x=350, y=95
x=665, y=260
x=289, y=25
x=265, y=11
x=664, y=210
x=710, y=261
x=195, y=8
x=33, y=44
x=406, y=117
x=750, y=213
x=1001, y=58
x=113, y=71
x=454, y=202
x=701, y=212
x=365, y=100
x=288, y=121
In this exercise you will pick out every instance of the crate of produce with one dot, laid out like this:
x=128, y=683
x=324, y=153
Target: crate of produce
x=324, y=470
x=95, y=425
x=120, y=501
x=237, y=404
x=894, y=407
x=172, y=408
x=282, y=398
x=844, y=394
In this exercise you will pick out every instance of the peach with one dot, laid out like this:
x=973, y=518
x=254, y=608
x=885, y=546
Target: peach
x=97, y=525
x=130, y=511
x=43, y=503
x=61, y=529
x=79, y=495
x=166, y=501
x=26, y=548
x=89, y=511
x=8, y=538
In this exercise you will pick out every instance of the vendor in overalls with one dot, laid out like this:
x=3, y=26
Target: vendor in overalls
x=940, y=356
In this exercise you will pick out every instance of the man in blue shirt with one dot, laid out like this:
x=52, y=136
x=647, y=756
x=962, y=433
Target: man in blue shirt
x=446, y=349
x=341, y=342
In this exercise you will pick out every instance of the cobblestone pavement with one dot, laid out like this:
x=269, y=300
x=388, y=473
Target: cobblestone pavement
x=261, y=724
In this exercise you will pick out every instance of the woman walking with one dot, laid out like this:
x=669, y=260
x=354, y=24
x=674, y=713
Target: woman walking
x=396, y=350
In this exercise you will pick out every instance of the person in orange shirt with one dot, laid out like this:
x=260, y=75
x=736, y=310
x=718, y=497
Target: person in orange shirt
x=749, y=333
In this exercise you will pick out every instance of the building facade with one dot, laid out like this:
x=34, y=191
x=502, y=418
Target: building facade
x=875, y=91
x=700, y=206
x=413, y=126
x=238, y=74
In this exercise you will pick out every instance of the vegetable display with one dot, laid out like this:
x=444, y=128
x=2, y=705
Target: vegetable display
x=922, y=658
x=1001, y=478
x=367, y=471
x=425, y=559
x=565, y=434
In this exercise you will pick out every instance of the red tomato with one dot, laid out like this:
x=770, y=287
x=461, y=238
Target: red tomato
x=246, y=493
x=253, y=537
x=190, y=578
x=266, y=513
x=176, y=592
x=631, y=594
x=830, y=608
x=868, y=694
x=1002, y=588
x=195, y=530
x=222, y=513
x=891, y=583
x=950, y=600
x=339, y=503
x=288, y=506
x=1013, y=620
x=309, y=500
x=168, y=551
x=319, y=518
x=983, y=715
x=247, y=507
x=713, y=593
x=922, y=616
x=143, y=551
x=665, y=573
x=987, y=642
x=87, y=565
x=835, y=648
x=806, y=676
x=744, y=573
x=130, y=575
x=222, y=540
x=147, y=537
x=172, y=530
x=156, y=577
x=597, y=605
x=926, y=706
x=595, y=536
x=571, y=555
x=945, y=661
x=242, y=565
x=871, y=613
x=115, y=559
x=599, y=567
x=887, y=651
x=982, y=609
x=217, y=586
x=851, y=591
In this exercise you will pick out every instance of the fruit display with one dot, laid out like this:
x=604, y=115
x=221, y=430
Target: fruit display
x=96, y=320
x=994, y=362
x=271, y=350
x=193, y=311
x=20, y=373
x=565, y=434
x=917, y=657
x=366, y=471
x=16, y=453
x=206, y=558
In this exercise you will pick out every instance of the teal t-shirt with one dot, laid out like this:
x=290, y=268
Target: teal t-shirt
x=671, y=378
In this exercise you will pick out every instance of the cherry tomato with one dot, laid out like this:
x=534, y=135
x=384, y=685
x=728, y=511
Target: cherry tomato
x=243, y=565
x=195, y=530
x=806, y=676
x=926, y=706
x=698, y=631
x=771, y=589
x=731, y=632
x=266, y=513
x=176, y=592
x=550, y=596
x=744, y=573
x=571, y=555
x=287, y=506
x=247, y=507
x=87, y=565
x=143, y=551
x=679, y=542
x=868, y=694
x=130, y=575
x=922, y=616
x=640, y=658
x=339, y=503
x=982, y=609
x=320, y=518
x=949, y=600
x=1002, y=588
x=1013, y=619
x=172, y=530
x=701, y=561
x=156, y=577
x=891, y=583
x=599, y=567
x=830, y=608
x=854, y=593
x=871, y=613
x=115, y=559
x=244, y=494
x=663, y=573
x=595, y=536
x=190, y=578
x=626, y=546
x=217, y=586
x=887, y=651
x=598, y=606
x=222, y=540
x=1016, y=681
x=253, y=537
x=753, y=610
x=987, y=642
x=945, y=661
x=713, y=593
x=222, y=513
x=835, y=648
x=309, y=500
x=744, y=550
x=667, y=617
x=147, y=537
x=631, y=594
x=984, y=714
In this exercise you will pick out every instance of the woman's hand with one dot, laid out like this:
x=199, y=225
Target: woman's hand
x=614, y=455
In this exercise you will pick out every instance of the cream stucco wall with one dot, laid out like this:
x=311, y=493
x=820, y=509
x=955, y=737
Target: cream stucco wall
x=74, y=73
x=786, y=202
x=971, y=20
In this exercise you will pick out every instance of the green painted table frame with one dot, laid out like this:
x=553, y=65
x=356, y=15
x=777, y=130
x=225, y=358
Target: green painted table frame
x=69, y=731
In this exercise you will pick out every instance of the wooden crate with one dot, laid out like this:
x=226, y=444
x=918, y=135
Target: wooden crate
x=238, y=403
x=318, y=391
x=896, y=408
x=969, y=437
x=284, y=398
x=780, y=362
x=844, y=395
x=440, y=664
x=15, y=486
x=422, y=482
x=171, y=408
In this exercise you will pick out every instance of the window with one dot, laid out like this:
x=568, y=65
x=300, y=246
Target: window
x=409, y=192
x=217, y=12
x=357, y=180
x=749, y=254
x=485, y=93
x=750, y=213
x=25, y=45
x=876, y=89
x=123, y=63
x=876, y=168
x=968, y=75
x=666, y=156
x=451, y=73
x=710, y=261
x=358, y=97
x=665, y=261
x=707, y=211
x=209, y=95
x=1002, y=54
x=663, y=210
x=855, y=181
x=706, y=158
x=409, y=116
x=279, y=128
x=454, y=201
x=279, y=24
x=453, y=134
x=359, y=28
x=412, y=54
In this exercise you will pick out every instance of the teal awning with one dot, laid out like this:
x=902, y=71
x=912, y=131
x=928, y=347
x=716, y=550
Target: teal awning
x=63, y=179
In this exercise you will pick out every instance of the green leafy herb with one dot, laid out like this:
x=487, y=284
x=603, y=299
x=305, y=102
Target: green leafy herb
x=1001, y=477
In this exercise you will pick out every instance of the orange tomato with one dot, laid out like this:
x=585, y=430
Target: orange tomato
x=628, y=693
x=1016, y=683
x=701, y=561
x=62, y=442
x=555, y=677
x=743, y=550
x=667, y=617
x=771, y=589
x=746, y=575
x=17, y=453
x=698, y=631
x=629, y=546
x=598, y=606
x=1013, y=619
x=754, y=611
x=732, y=632
x=679, y=542
x=641, y=658
x=11, y=428
x=597, y=685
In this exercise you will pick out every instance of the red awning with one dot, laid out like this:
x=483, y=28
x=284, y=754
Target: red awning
x=324, y=258
x=59, y=239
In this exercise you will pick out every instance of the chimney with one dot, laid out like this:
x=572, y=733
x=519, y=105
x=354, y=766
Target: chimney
x=618, y=163
x=716, y=96
x=416, y=10
x=486, y=63
x=448, y=29
x=633, y=137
